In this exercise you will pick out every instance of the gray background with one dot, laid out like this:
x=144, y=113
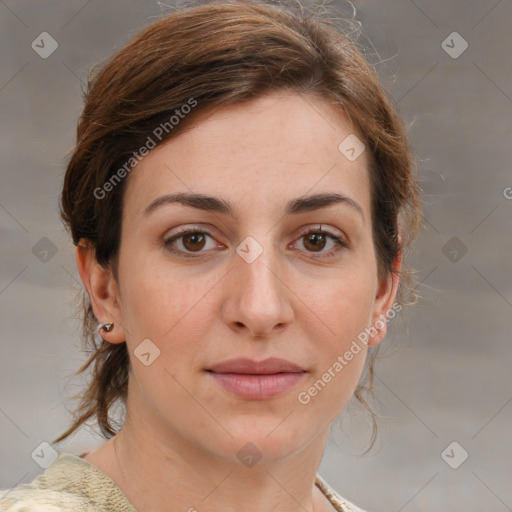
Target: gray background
x=448, y=375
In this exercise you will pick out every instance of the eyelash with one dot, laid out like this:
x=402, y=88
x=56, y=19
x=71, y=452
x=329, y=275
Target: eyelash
x=340, y=243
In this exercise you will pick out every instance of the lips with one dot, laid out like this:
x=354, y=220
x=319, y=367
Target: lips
x=256, y=380
x=249, y=367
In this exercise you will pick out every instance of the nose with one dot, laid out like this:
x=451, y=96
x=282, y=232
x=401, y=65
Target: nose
x=258, y=299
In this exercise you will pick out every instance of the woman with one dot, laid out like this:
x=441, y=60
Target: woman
x=240, y=196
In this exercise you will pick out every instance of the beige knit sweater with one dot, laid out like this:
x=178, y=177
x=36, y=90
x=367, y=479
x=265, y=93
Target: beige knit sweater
x=73, y=484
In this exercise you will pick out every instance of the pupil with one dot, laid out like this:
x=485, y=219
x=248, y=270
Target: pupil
x=316, y=240
x=194, y=238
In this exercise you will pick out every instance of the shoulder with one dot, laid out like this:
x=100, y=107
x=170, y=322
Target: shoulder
x=34, y=498
x=341, y=504
x=68, y=484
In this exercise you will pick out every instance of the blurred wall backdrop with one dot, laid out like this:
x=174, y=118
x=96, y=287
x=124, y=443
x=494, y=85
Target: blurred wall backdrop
x=444, y=391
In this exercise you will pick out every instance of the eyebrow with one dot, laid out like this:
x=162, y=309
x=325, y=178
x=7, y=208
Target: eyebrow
x=219, y=205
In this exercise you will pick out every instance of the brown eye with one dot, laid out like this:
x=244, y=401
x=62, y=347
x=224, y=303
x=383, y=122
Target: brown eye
x=189, y=241
x=315, y=241
x=194, y=241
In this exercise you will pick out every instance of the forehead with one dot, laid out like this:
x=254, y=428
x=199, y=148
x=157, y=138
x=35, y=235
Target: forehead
x=259, y=153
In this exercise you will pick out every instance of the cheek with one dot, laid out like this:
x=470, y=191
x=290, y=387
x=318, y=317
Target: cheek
x=162, y=304
x=345, y=305
x=341, y=354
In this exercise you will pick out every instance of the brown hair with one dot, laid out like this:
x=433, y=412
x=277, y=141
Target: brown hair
x=217, y=54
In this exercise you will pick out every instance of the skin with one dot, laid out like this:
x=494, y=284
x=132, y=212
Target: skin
x=183, y=431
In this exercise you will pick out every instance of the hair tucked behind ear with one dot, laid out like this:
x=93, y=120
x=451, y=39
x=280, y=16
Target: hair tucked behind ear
x=218, y=54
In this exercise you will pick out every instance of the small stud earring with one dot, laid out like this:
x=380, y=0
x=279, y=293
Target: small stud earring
x=105, y=327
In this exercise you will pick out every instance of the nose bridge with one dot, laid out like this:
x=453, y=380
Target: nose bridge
x=260, y=300
x=260, y=263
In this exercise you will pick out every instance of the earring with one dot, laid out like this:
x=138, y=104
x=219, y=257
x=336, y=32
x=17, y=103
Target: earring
x=105, y=327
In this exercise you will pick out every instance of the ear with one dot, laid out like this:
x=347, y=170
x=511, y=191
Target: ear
x=102, y=289
x=384, y=303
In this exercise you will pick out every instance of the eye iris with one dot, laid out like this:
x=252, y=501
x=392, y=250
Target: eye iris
x=315, y=238
x=194, y=237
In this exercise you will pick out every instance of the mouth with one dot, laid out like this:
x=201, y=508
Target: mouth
x=253, y=380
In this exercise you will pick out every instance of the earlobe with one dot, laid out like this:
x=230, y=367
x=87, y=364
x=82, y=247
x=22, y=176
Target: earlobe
x=100, y=287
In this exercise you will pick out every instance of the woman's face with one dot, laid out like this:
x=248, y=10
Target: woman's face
x=249, y=283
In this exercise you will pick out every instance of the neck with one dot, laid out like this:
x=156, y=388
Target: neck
x=171, y=475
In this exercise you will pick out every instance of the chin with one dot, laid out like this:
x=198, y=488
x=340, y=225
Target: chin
x=266, y=439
